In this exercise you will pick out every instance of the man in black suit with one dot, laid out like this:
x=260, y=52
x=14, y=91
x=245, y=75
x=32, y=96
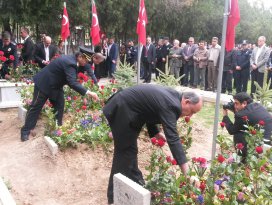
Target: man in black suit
x=44, y=52
x=130, y=109
x=27, y=51
x=112, y=57
x=254, y=112
x=49, y=84
x=9, y=50
x=165, y=50
x=148, y=59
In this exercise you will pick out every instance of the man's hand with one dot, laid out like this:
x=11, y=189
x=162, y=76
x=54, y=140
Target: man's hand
x=160, y=135
x=184, y=168
x=254, y=67
x=238, y=68
x=93, y=95
x=163, y=60
x=225, y=112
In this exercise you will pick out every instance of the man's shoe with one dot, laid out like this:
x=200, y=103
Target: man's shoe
x=24, y=137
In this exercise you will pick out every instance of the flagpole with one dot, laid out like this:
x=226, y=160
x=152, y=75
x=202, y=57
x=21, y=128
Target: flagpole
x=140, y=47
x=219, y=79
x=65, y=42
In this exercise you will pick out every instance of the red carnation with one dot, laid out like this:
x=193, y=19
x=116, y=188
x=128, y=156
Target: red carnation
x=154, y=140
x=160, y=142
x=222, y=124
x=240, y=146
x=253, y=132
x=259, y=150
x=261, y=123
x=1, y=53
x=84, y=107
x=187, y=119
x=221, y=158
x=245, y=118
x=3, y=58
x=11, y=57
x=174, y=162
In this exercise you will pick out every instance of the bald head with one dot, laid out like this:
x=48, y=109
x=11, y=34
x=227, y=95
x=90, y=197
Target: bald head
x=47, y=41
x=191, y=103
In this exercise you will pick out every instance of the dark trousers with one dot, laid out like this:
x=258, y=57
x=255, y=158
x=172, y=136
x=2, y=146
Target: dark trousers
x=189, y=73
x=147, y=71
x=258, y=77
x=161, y=67
x=227, y=81
x=269, y=77
x=241, y=79
x=111, y=67
x=36, y=106
x=125, y=160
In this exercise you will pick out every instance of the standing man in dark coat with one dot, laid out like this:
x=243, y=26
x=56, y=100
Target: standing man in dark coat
x=112, y=57
x=44, y=52
x=227, y=72
x=27, y=51
x=165, y=50
x=130, y=53
x=9, y=50
x=148, y=59
x=49, y=84
x=188, y=65
x=159, y=63
x=127, y=112
x=241, y=66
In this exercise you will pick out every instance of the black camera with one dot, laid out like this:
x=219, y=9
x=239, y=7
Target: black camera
x=229, y=106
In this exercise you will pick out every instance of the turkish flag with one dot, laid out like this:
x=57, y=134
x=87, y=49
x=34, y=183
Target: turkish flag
x=141, y=23
x=65, y=32
x=95, y=29
x=233, y=20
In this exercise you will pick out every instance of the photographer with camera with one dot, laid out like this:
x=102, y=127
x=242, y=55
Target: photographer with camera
x=246, y=111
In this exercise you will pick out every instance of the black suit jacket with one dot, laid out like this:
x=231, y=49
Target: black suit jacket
x=151, y=54
x=165, y=50
x=255, y=112
x=9, y=50
x=150, y=105
x=39, y=54
x=27, y=50
x=60, y=72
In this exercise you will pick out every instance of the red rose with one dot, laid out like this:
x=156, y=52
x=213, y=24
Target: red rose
x=161, y=142
x=259, y=150
x=194, y=159
x=113, y=90
x=11, y=57
x=245, y=118
x=174, y=162
x=182, y=184
x=187, y=119
x=75, y=97
x=102, y=87
x=261, y=123
x=84, y=107
x=168, y=159
x=262, y=168
x=240, y=146
x=1, y=53
x=222, y=124
x=221, y=197
x=154, y=140
x=253, y=132
x=221, y=158
x=202, y=186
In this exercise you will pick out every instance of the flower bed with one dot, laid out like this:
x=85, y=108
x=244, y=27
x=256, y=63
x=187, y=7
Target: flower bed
x=224, y=180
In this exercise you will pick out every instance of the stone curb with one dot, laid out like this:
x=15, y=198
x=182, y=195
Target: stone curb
x=5, y=196
x=53, y=147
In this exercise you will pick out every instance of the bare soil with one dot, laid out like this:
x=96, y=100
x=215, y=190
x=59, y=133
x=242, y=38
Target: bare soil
x=74, y=176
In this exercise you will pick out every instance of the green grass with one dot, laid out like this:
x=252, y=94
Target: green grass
x=206, y=115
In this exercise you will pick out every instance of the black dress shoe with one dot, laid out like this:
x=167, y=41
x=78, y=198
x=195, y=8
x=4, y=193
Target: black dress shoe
x=24, y=137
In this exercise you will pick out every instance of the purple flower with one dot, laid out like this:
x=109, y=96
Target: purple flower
x=226, y=178
x=200, y=199
x=58, y=132
x=218, y=182
x=84, y=123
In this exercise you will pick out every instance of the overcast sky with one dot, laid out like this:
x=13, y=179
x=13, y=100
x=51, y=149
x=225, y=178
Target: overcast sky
x=267, y=3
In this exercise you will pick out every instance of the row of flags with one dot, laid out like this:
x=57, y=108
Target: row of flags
x=233, y=20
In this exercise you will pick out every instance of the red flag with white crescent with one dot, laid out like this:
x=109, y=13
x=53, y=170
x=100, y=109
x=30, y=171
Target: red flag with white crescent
x=233, y=20
x=95, y=29
x=65, y=32
x=141, y=23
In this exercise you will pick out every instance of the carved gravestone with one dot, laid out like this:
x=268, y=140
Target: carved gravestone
x=127, y=192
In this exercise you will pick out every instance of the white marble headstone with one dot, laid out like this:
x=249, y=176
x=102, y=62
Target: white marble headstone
x=128, y=192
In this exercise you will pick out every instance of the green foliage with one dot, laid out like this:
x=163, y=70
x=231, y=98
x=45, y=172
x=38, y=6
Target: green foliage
x=125, y=75
x=166, y=79
x=264, y=94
